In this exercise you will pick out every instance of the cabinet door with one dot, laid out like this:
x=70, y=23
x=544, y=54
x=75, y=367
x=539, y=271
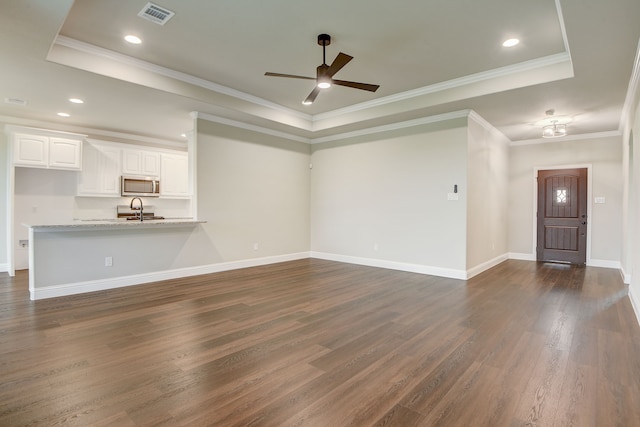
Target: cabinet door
x=150, y=165
x=101, y=173
x=140, y=162
x=30, y=150
x=174, y=181
x=65, y=153
x=110, y=171
x=89, y=178
x=131, y=160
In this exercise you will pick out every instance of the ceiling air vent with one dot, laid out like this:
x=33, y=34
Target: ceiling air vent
x=15, y=101
x=155, y=13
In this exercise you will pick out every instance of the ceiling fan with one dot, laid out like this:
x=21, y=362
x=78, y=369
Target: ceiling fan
x=324, y=73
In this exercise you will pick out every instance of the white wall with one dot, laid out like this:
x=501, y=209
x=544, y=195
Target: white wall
x=629, y=204
x=605, y=157
x=4, y=170
x=487, y=181
x=382, y=199
x=253, y=189
x=633, y=218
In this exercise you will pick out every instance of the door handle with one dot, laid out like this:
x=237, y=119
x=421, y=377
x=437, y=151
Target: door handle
x=584, y=222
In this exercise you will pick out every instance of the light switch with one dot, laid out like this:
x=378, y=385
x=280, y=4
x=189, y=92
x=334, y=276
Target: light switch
x=599, y=200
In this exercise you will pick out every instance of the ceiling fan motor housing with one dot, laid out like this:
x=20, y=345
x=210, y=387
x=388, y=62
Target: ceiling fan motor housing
x=324, y=39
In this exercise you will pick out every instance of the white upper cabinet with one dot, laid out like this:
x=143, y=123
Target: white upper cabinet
x=30, y=150
x=174, y=179
x=39, y=150
x=105, y=162
x=65, y=153
x=140, y=162
x=101, y=173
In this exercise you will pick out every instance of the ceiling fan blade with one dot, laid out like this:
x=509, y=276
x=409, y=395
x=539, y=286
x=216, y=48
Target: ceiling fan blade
x=291, y=76
x=312, y=96
x=356, y=85
x=341, y=60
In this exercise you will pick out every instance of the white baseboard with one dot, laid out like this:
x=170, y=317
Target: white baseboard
x=118, y=282
x=393, y=265
x=522, y=257
x=138, y=279
x=591, y=263
x=474, y=271
x=604, y=263
x=635, y=303
x=626, y=277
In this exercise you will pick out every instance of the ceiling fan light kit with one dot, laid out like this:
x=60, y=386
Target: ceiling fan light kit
x=324, y=73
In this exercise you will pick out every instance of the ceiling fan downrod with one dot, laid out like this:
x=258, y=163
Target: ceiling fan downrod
x=324, y=40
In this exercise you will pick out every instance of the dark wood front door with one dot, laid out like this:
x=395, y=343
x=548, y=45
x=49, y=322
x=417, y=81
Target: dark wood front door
x=562, y=215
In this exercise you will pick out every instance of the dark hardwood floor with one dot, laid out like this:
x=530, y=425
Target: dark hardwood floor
x=320, y=343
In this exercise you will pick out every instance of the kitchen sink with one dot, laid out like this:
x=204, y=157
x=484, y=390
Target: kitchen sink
x=146, y=218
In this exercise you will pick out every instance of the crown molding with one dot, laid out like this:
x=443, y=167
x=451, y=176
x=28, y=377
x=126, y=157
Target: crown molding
x=91, y=132
x=242, y=125
x=325, y=121
x=595, y=135
x=488, y=126
x=337, y=137
x=173, y=74
x=563, y=29
x=633, y=92
x=501, y=72
x=394, y=126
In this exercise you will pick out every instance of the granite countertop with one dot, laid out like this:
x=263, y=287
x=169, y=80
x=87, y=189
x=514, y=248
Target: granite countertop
x=93, y=224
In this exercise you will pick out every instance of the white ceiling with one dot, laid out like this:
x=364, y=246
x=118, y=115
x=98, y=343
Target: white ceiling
x=429, y=57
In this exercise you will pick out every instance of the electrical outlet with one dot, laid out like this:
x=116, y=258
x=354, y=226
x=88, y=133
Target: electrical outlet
x=108, y=261
x=256, y=246
x=23, y=243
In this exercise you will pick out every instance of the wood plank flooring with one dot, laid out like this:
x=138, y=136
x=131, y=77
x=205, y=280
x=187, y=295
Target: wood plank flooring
x=320, y=343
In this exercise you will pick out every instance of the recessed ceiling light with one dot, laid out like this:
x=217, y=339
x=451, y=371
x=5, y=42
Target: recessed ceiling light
x=133, y=39
x=510, y=42
x=305, y=102
x=76, y=100
x=64, y=114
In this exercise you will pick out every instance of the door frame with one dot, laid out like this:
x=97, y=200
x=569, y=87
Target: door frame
x=586, y=166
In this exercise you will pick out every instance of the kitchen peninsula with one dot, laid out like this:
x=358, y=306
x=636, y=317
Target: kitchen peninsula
x=85, y=256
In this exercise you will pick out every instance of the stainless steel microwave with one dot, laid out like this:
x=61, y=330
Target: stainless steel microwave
x=140, y=186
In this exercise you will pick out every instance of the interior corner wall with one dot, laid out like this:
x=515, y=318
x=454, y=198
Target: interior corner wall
x=487, y=182
x=4, y=194
x=253, y=191
x=382, y=199
x=605, y=157
x=627, y=204
x=633, y=217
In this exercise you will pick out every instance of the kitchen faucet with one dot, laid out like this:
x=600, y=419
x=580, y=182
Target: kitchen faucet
x=131, y=205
